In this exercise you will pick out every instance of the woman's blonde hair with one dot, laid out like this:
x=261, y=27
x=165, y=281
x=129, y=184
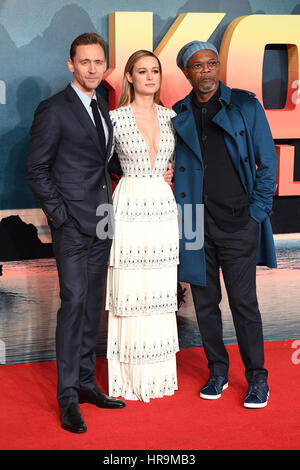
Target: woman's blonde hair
x=127, y=92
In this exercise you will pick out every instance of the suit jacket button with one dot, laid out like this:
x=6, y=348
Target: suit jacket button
x=242, y=132
x=246, y=159
x=182, y=194
x=181, y=168
x=104, y=186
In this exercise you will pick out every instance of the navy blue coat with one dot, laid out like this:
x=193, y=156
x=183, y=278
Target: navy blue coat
x=250, y=145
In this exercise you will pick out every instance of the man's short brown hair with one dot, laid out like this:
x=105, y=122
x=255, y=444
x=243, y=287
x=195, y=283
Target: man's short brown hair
x=84, y=40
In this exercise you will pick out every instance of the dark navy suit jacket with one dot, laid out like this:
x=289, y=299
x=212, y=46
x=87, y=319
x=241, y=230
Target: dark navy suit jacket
x=67, y=169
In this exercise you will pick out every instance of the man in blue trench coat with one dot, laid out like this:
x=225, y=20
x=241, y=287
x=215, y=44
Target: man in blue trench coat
x=225, y=161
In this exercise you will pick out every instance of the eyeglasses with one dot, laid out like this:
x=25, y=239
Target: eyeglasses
x=199, y=66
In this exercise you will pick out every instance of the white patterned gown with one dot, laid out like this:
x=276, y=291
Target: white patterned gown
x=142, y=274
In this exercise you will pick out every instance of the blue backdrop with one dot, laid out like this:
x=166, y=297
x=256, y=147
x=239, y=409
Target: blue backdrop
x=34, y=44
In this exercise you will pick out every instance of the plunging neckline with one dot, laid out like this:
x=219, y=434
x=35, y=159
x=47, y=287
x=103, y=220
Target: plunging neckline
x=144, y=140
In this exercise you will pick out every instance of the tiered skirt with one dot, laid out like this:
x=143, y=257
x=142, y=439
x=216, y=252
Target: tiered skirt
x=142, y=291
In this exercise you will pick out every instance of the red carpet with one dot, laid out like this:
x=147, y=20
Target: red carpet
x=29, y=414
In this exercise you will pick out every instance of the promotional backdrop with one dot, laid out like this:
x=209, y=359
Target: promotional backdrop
x=259, y=43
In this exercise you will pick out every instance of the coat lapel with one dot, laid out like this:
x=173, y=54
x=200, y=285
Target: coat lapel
x=185, y=126
x=223, y=121
x=104, y=111
x=83, y=117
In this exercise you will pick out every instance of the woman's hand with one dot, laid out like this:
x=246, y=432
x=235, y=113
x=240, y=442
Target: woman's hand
x=168, y=176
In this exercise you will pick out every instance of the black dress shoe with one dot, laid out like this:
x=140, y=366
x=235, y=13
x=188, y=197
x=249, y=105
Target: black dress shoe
x=71, y=418
x=98, y=398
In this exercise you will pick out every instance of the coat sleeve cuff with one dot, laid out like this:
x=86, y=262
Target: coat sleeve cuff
x=257, y=213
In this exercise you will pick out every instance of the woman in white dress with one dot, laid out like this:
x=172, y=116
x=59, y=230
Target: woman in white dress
x=142, y=274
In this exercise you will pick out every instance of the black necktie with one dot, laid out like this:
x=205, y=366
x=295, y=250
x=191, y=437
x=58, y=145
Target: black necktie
x=98, y=123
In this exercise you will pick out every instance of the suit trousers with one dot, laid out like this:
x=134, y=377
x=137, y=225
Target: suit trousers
x=235, y=253
x=82, y=265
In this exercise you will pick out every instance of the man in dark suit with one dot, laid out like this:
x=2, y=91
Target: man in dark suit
x=67, y=169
